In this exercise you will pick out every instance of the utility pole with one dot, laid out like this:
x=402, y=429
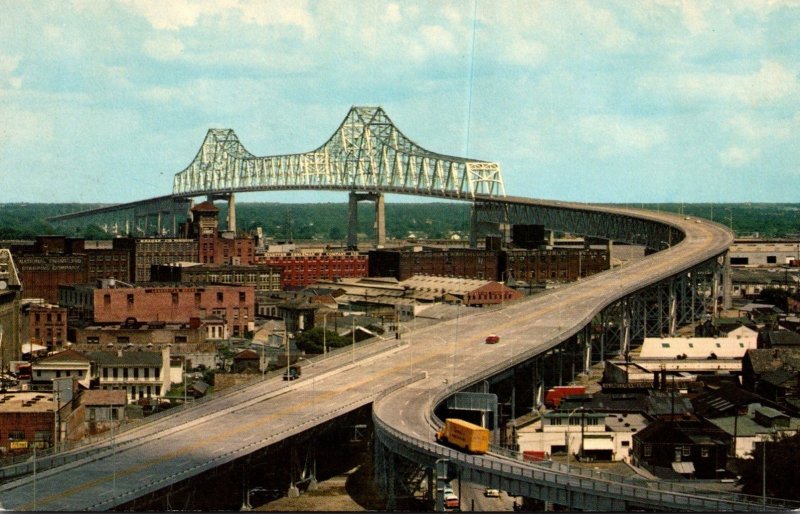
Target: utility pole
x=2, y=363
x=286, y=342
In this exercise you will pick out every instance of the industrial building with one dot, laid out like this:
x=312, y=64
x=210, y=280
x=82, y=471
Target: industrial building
x=117, y=303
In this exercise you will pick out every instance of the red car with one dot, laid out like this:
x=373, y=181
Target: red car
x=492, y=339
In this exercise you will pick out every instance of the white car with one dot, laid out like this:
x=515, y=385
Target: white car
x=491, y=492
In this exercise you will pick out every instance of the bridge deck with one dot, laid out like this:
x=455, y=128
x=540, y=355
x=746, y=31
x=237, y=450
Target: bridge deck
x=174, y=449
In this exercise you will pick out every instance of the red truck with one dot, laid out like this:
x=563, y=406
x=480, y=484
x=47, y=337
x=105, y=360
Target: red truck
x=554, y=396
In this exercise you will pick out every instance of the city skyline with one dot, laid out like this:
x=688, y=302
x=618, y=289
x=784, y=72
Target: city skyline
x=663, y=102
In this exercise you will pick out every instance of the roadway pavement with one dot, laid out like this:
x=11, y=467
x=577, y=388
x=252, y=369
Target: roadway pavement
x=177, y=448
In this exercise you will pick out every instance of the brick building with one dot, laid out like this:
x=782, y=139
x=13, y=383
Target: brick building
x=461, y=262
x=44, y=323
x=140, y=334
x=149, y=251
x=301, y=270
x=78, y=299
x=234, y=304
x=216, y=248
x=54, y=260
x=27, y=419
x=556, y=265
x=262, y=277
x=529, y=265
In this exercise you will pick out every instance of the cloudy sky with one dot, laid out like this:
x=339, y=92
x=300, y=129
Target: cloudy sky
x=596, y=101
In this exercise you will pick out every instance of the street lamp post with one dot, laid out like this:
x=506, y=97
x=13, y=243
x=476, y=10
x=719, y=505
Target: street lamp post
x=569, y=431
x=325, y=334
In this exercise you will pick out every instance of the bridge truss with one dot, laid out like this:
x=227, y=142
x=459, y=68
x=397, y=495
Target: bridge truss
x=366, y=153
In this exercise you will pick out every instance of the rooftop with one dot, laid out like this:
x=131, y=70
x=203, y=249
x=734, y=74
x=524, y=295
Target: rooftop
x=26, y=402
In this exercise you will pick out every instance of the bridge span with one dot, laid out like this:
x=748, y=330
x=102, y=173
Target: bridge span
x=408, y=378
x=367, y=155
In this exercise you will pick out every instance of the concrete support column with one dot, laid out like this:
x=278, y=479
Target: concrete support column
x=610, y=253
x=551, y=238
x=352, y=223
x=625, y=336
x=727, y=282
x=380, y=220
x=473, y=226
x=537, y=383
x=159, y=221
x=231, y=213
x=587, y=348
x=673, y=308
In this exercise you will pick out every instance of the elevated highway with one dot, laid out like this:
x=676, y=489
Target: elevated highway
x=367, y=155
x=409, y=378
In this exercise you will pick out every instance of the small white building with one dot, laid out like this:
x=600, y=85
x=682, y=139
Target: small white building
x=598, y=435
x=731, y=347
x=141, y=374
x=66, y=363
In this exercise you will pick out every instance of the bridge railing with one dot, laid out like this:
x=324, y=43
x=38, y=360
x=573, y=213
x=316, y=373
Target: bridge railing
x=666, y=487
x=70, y=451
x=602, y=484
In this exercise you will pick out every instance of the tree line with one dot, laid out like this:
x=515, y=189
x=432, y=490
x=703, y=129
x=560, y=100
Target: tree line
x=433, y=220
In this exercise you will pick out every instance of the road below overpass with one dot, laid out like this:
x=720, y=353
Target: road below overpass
x=421, y=366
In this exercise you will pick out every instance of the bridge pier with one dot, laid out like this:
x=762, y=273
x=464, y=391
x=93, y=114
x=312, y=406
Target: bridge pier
x=380, y=217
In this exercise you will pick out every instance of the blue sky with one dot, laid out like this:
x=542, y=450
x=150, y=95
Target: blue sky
x=597, y=101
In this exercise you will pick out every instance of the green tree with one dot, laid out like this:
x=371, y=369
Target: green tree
x=783, y=473
x=311, y=341
x=335, y=234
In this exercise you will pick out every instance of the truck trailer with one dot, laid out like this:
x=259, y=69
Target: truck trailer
x=464, y=435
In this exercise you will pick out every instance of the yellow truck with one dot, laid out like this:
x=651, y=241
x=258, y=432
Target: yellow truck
x=464, y=435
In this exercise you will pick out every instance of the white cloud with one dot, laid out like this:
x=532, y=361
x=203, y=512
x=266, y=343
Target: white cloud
x=522, y=51
x=279, y=13
x=771, y=83
x=438, y=39
x=755, y=130
x=602, y=26
x=736, y=157
x=177, y=14
x=172, y=15
x=613, y=135
x=23, y=127
x=8, y=65
x=163, y=48
x=693, y=15
x=392, y=14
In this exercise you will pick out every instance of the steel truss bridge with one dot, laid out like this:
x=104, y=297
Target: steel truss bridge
x=367, y=156
x=554, y=335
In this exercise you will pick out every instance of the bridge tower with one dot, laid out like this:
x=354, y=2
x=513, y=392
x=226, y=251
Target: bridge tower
x=380, y=218
x=228, y=197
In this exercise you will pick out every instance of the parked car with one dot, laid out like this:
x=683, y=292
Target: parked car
x=490, y=492
x=492, y=339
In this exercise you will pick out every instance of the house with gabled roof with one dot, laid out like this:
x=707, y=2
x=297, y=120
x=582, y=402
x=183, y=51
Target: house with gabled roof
x=682, y=448
x=66, y=363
